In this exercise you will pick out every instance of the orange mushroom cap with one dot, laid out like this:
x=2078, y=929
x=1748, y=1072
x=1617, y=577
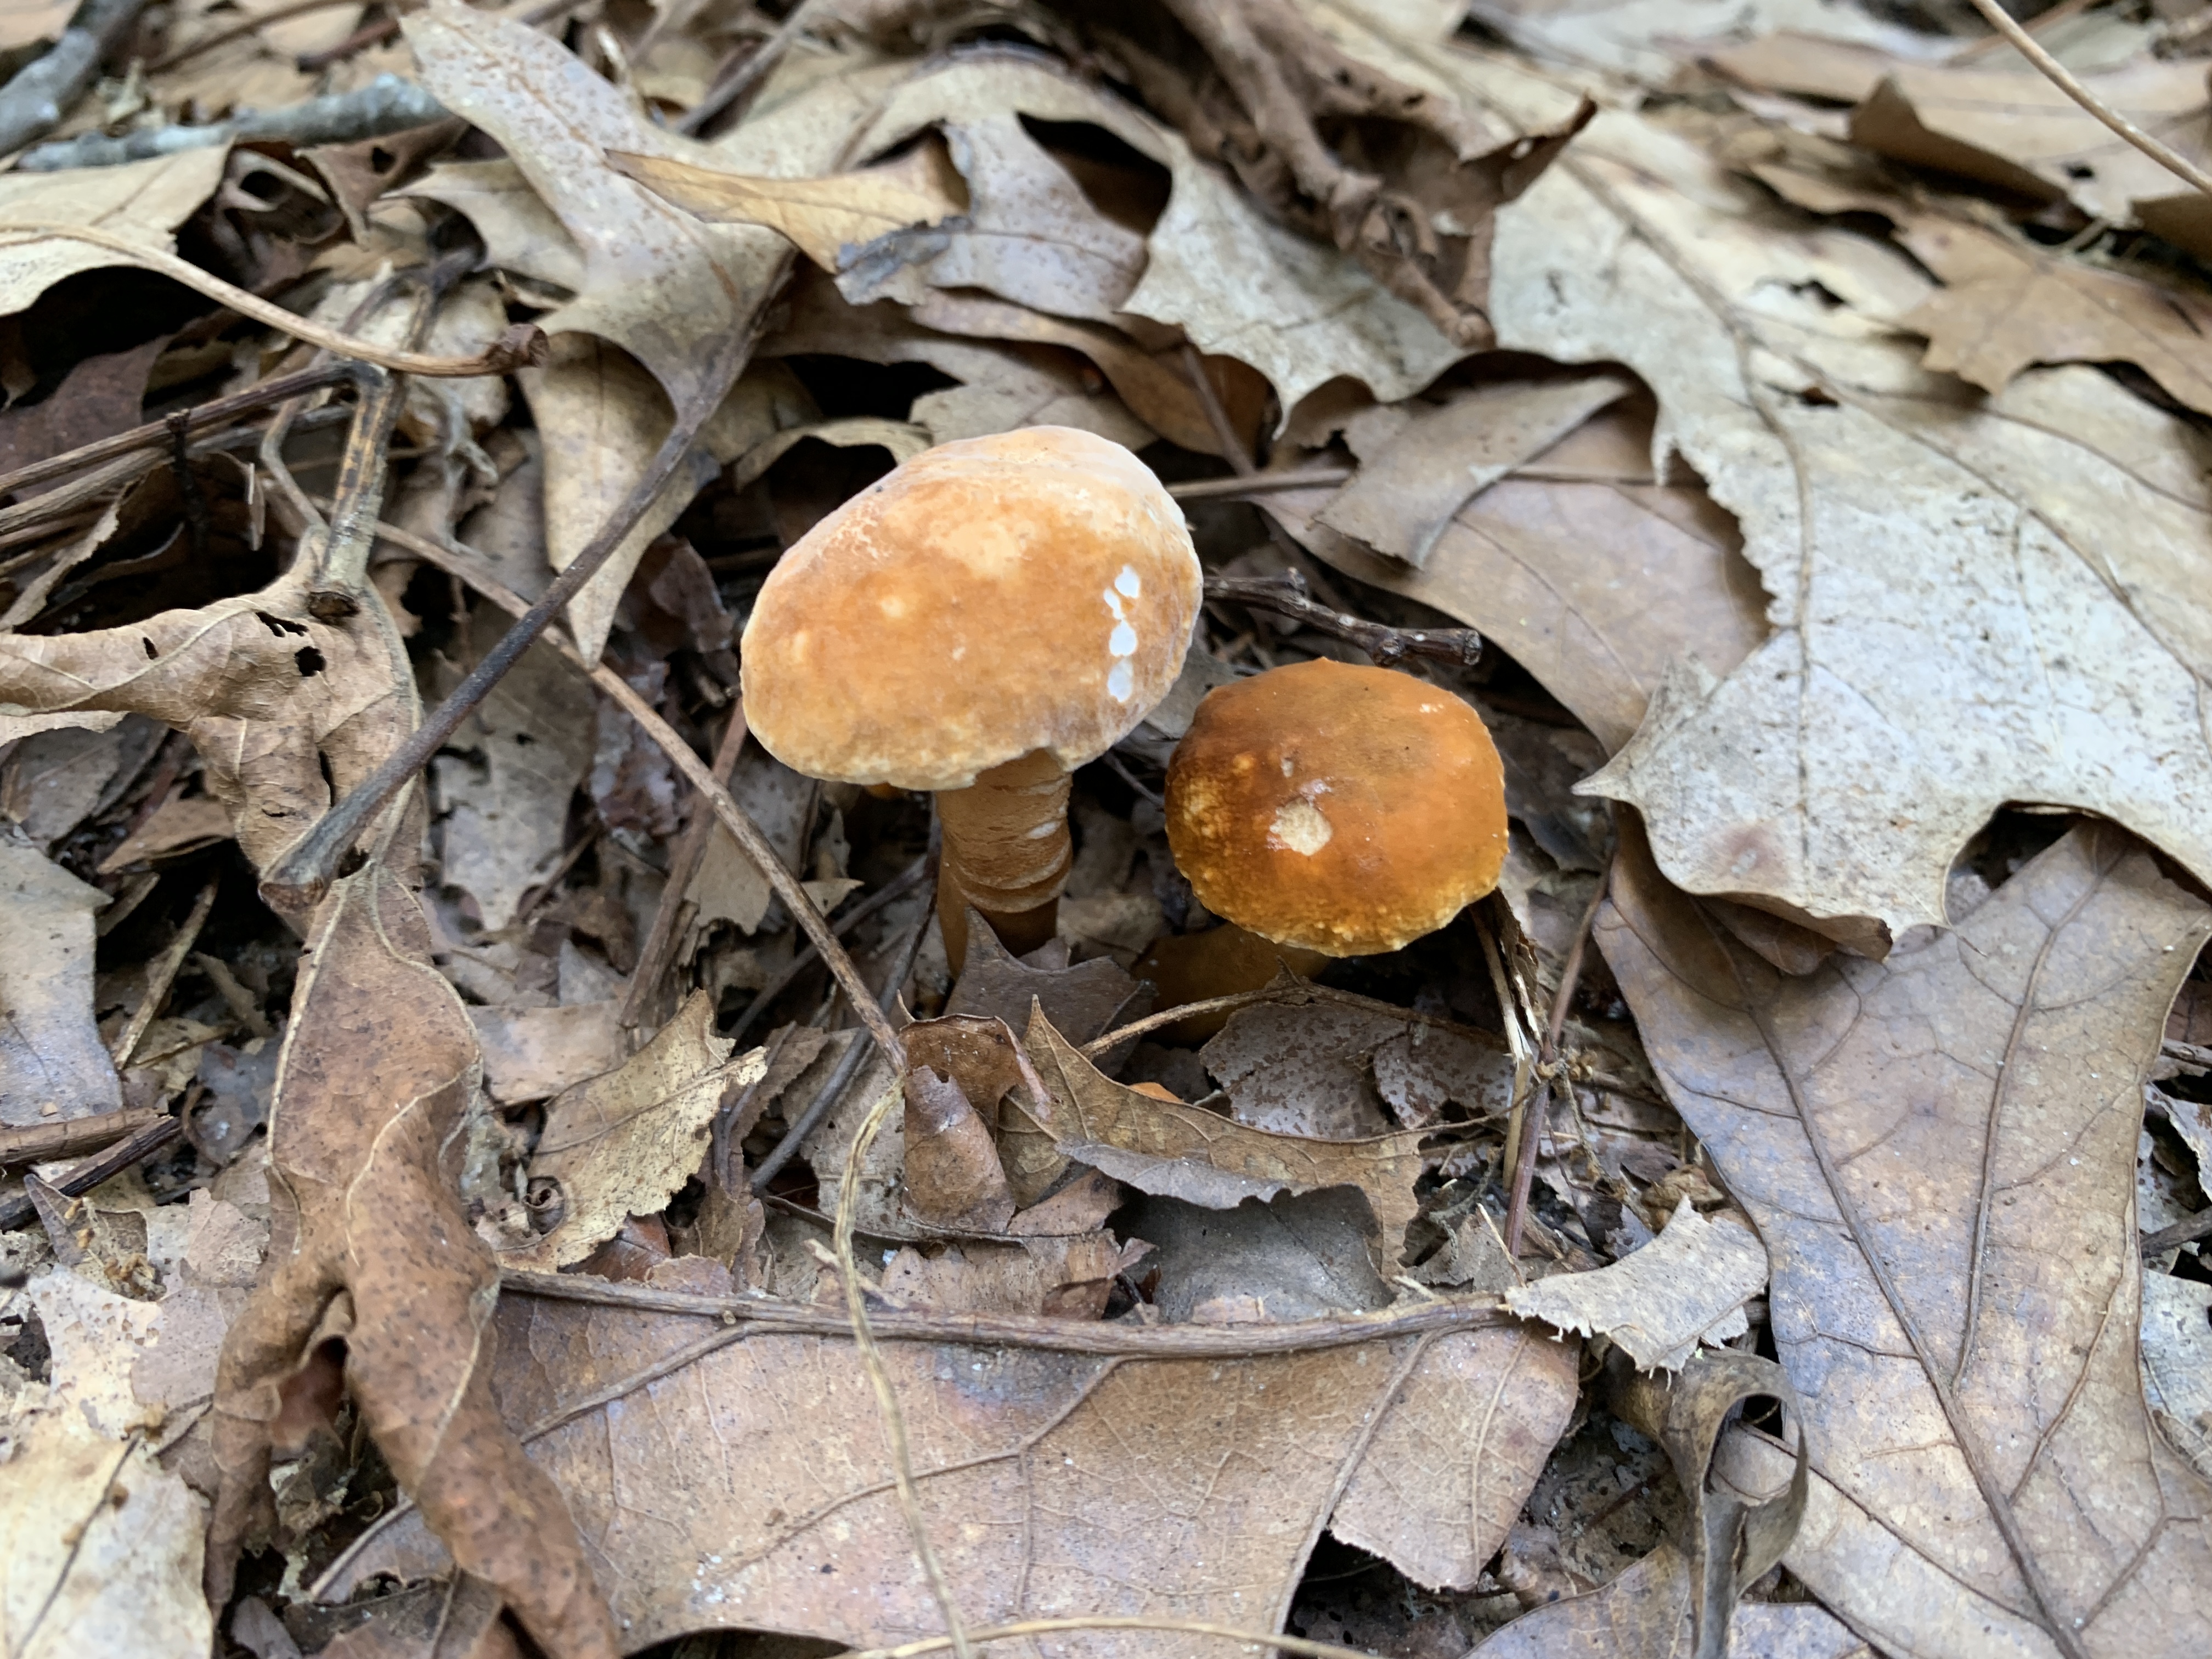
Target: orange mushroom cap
x=1346, y=809
x=993, y=597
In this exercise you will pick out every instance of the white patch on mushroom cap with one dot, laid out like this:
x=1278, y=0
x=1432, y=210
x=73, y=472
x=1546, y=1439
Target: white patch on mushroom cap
x=1122, y=643
x=1121, y=682
x=1127, y=581
x=1299, y=828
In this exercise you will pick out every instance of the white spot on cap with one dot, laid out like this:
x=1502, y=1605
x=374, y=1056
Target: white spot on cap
x=1287, y=766
x=1127, y=583
x=1299, y=828
x=1122, y=642
x=1121, y=681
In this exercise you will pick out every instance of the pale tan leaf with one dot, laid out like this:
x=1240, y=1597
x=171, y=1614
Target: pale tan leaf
x=145, y=201
x=533, y=1053
x=1657, y=1305
x=100, y=1549
x=520, y=233
x=52, y=1064
x=2177, y=1360
x=1940, y=1152
x=1053, y=1484
x=1189, y=1153
x=180, y=824
x=622, y=1144
x=827, y=218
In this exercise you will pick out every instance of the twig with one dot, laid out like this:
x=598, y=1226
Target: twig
x=245, y=26
x=2185, y=1231
x=386, y=105
x=741, y=81
x=769, y=1316
x=40, y=94
x=2063, y=78
x=154, y=434
x=375, y=34
x=719, y=1161
x=849, y=1063
x=898, y=886
x=472, y=570
x=163, y=974
x=136, y=1149
x=1305, y=991
x=521, y=346
x=1261, y=483
x=1286, y=596
x=879, y=1376
x=36, y=1142
x=1303, y=1646
x=683, y=866
x=1547, y=1069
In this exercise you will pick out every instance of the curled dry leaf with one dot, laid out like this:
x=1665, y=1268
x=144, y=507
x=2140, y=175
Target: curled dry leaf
x=1657, y=1304
x=52, y=1064
x=1053, y=1485
x=1187, y=1152
x=1955, y=1273
x=622, y=1144
x=1921, y=554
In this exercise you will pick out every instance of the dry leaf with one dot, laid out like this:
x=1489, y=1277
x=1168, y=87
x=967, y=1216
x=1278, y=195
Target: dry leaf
x=622, y=1144
x=1298, y=1256
x=827, y=218
x=1657, y=1304
x=53, y=780
x=183, y=824
x=1939, y=1150
x=2017, y=131
x=520, y=233
x=145, y=201
x=53, y=1065
x=953, y=1175
x=1053, y=1485
x=1439, y=457
x=100, y=1549
x=1302, y=1069
x=1064, y=1278
x=1917, y=655
x=1537, y=564
x=2176, y=1362
x=533, y=1053
x=1187, y=1152
x=2004, y=304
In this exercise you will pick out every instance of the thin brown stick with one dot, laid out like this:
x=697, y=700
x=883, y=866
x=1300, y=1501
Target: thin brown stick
x=157, y=435
x=768, y=1316
x=1547, y=1069
x=133, y=1149
x=2060, y=77
x=898, y=887
x=1262, y=483
x=36, y=1142
x=879, y=1376
x=471, y=568
x=2042, y=21
x=163, y=974
x=1305, y=991
x=1302, y=1646
x=741, y=81
x=683, y=865
x=1286, y=596
x=519, y=348
x=245, y=26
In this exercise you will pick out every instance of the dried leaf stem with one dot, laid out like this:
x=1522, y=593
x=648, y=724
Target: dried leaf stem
x=473, y=568
x=879, y=1376
x=683, y=866
x=1548, y=1074
x=1302, y=991
x=520, y=347
x=36, y=1142
x=2060, y=77
x=1286, y=596
x=767, y=1316
x=17, y=1209
x=1302, y=1646
x=163, y=974
x=741, y=81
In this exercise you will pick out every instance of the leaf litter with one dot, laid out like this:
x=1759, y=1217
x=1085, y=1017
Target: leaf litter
x=1802, y=404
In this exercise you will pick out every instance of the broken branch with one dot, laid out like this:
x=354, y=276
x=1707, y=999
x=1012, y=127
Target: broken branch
x=41, y=92
x=386, y=105
x=1286, y=596
x=142, y=1145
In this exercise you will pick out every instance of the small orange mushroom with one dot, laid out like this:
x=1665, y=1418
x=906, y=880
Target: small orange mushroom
x=979, y=623
x=1349, y=811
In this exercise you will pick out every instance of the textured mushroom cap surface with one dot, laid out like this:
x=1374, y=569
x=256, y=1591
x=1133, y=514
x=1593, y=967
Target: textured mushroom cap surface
x=1347, y=810
x=992, y=596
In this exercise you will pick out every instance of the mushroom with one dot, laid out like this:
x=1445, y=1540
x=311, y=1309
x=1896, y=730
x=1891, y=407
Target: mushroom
x=1349, y=811
x=979, y=623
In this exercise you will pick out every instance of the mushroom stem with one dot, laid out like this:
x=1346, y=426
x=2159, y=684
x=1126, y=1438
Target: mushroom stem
x=1006, y=853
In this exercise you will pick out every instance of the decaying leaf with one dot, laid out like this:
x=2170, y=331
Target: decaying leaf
x=533, y=1053
x=1064, y=1278
x=622, y=1144
x=1187, y=1152
x=1939, y=1152
x=99, y=1548
x=145, y=201
x=1024, y=1460
x=2177, y=1359
x=1918, y=553
x=1686, y=1287
x=53, y=1063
